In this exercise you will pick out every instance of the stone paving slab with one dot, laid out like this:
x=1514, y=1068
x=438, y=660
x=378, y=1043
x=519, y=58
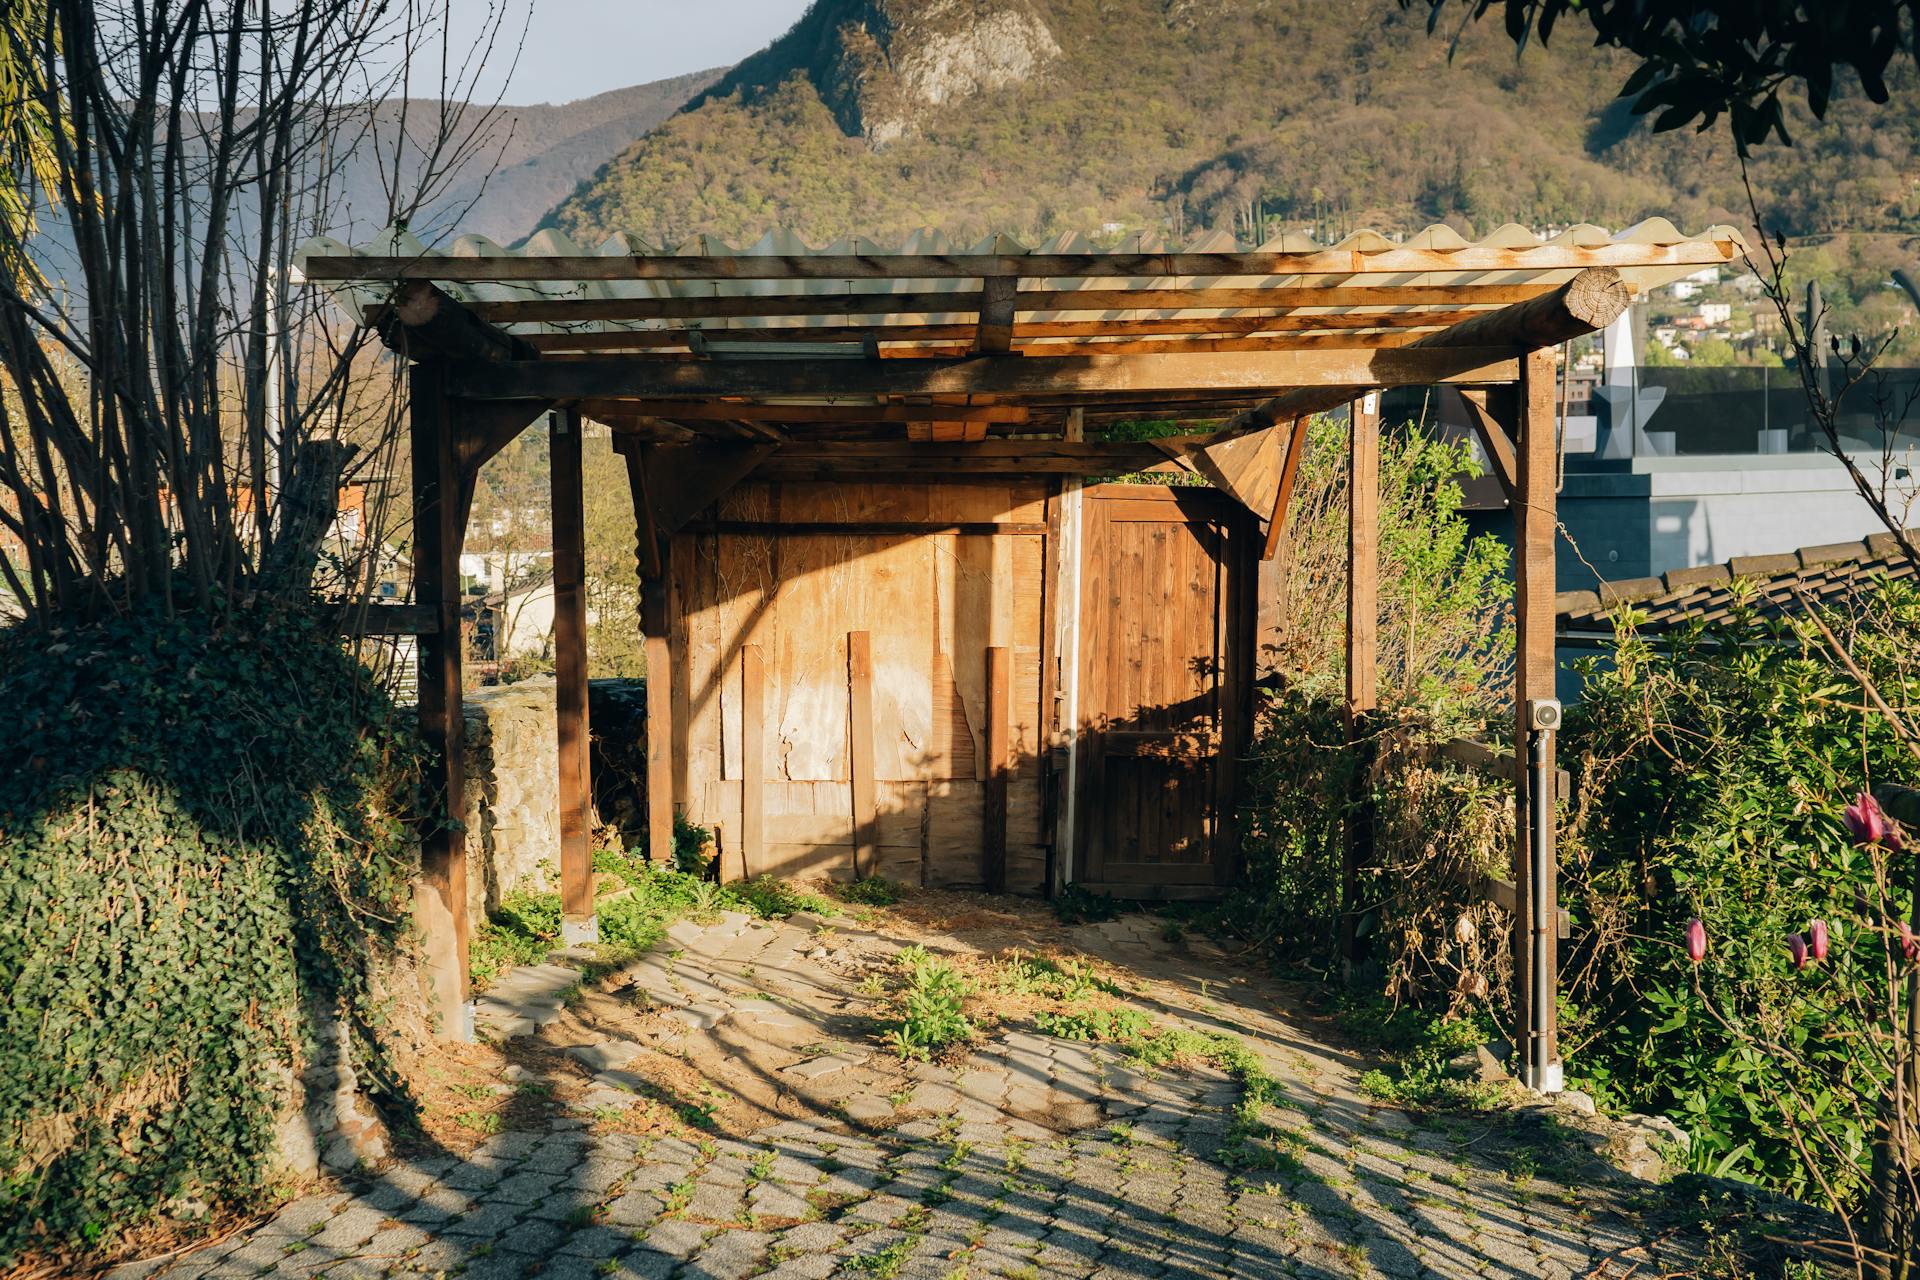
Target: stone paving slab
x=1162, y=1179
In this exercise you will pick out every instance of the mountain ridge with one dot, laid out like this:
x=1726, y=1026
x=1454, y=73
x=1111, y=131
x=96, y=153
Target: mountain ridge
x=1176, y=115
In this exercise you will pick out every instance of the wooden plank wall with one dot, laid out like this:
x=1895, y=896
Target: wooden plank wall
x=930, y=606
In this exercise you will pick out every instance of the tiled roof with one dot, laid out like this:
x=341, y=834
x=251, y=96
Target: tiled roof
x=1707, y=593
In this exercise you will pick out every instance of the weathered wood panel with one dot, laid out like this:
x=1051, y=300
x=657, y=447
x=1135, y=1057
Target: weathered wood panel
x=931, y=605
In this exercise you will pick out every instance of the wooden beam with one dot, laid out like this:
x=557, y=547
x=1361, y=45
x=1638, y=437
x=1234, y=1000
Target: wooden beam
x=983, y=375
x=993, y=837
x=860, y=751
x=995, y=335
x=985, y=457
x=870, y=528
x=367, y=618
x=653, y=626
x=741, y=411
x=949, y=266
x=1363, y=625
x=1276, y=302
x=753, y=767
x=423, y=323
x=1266, y=320
x=946, y=431
x=1535, y=530
x=1283, y=498
x=1363, y=556
x=733, y=306
x=1062, y=667
x=574, y=793
x=439, y=527
x=1591, y=300
x=1493, y=438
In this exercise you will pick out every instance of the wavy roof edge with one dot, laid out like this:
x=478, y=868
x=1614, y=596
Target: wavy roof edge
x=1658, y=235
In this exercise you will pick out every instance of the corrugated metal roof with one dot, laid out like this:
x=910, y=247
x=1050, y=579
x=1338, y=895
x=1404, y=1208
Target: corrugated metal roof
x=630, y=295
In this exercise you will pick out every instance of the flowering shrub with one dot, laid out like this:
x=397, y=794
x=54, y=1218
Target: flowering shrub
x=1734, y=895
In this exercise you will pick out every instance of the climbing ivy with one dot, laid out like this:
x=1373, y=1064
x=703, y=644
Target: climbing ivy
x=201, y=843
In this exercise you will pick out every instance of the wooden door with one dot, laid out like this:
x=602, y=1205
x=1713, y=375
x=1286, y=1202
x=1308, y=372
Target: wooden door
x=1165, y=679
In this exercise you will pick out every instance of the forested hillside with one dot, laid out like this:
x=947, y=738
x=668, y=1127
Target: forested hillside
x=877, y=117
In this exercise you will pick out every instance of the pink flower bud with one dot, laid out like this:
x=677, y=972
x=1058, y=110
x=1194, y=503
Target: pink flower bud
x=1797, y=947
x=1868, y=824
x=1817, y=939
x=1696, y=941
x=1909, y=945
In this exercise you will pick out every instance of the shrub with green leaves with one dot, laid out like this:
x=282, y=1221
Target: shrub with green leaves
x=1712, y=771
x=201, y=840
x=1445, y=655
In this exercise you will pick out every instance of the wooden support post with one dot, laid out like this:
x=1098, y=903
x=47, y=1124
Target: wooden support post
x=1065, y=660
x=1535, y=527
x=440, y=496
x=753, y=761
x=653, y=625
x=999, y=765
x=860, y=750
x=1363, y=622
x=577, y=922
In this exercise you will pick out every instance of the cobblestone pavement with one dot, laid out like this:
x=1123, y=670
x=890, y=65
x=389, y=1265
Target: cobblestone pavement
x=1038, y=1157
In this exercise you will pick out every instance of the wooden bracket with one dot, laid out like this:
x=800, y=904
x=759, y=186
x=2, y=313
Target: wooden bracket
x=646, y=537
x=1282, y=500
x=1247, y=468
x=482, y=428
x=682, y=480
x=1493, y=438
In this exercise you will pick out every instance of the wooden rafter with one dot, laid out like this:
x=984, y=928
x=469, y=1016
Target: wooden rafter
x=1050, y=303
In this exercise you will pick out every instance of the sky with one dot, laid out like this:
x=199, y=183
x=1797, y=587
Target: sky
x=577, y=48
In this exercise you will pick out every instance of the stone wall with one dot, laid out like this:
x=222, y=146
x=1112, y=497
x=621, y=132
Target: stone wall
x=511, y=809
x=512, y=802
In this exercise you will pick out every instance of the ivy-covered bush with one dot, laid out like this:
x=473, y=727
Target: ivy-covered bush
x=1712, y=772
x=201, y=844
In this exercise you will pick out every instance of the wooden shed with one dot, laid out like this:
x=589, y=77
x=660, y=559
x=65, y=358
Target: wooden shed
x=907, y=624
x=882, y=677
